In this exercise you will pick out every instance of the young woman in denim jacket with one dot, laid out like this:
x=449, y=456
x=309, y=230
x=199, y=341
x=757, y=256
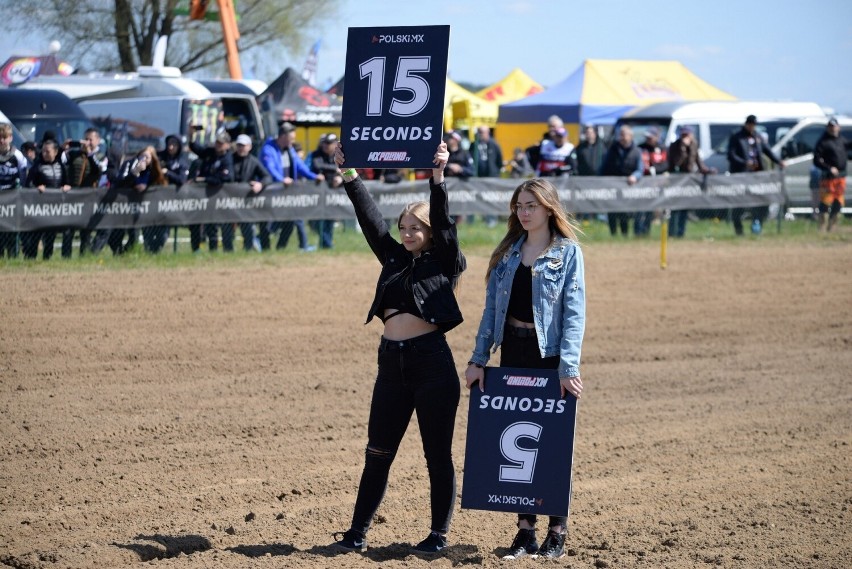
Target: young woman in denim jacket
x=415, y=300
x=535, y=311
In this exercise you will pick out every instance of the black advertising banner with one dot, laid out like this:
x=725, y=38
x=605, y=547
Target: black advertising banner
x=520, y=443
x=395, y=80
x=28, y=209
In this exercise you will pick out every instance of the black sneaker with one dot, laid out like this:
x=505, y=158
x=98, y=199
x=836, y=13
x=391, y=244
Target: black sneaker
x=553, y=546
x=524, y=543
x=352, y=541
x=434, y=543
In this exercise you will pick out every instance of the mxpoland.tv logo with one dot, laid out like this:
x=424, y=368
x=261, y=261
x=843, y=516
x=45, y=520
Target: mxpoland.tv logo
x=388, y=157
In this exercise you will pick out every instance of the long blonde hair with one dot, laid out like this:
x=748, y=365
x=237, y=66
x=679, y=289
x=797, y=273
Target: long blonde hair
x=420, y=210
x=560, y=221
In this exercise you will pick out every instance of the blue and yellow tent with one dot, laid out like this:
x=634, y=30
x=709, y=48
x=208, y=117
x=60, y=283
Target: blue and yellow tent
x=599, y=92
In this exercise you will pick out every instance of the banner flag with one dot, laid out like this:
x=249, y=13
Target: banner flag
x=27, y=209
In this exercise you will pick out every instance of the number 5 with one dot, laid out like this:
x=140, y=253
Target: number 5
x=522, y=458
x=406, y=80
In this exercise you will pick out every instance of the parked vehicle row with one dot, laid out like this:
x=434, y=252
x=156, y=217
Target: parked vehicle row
x=136, y=110
x=791, y=129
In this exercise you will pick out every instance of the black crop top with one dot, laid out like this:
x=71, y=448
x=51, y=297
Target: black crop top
x=520, y=302
x=399, y=296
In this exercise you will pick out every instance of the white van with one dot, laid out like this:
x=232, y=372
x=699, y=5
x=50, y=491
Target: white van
x=134, y=110
x=713, y=122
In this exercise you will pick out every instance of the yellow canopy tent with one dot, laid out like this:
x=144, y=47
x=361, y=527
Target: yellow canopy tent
x=516, y=85
x=465, y=111
x=599, y=92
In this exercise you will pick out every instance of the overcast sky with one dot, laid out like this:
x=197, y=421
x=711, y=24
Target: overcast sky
x=754, y=49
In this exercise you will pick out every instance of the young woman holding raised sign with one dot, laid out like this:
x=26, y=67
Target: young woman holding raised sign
x=535, y=310
x=415, y=300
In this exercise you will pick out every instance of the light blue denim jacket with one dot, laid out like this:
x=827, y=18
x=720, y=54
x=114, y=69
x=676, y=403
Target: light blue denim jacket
x=559, y=304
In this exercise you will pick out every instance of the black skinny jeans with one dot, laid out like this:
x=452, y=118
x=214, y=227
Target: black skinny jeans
x=524, y=352
x=416, y=375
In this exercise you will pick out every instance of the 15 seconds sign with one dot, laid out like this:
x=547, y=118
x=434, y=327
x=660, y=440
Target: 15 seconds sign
x=393, y=108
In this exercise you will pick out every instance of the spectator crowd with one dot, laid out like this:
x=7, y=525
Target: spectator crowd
x=70, y=164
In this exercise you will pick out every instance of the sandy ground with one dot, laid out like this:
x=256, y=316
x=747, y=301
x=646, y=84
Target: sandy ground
x=215, y=416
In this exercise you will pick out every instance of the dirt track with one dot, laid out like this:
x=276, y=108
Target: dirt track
x=216, y=416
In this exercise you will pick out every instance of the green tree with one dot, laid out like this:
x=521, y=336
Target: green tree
x=120, y=35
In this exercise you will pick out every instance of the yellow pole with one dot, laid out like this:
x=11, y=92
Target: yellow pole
x=664, y=238
x=231, y=34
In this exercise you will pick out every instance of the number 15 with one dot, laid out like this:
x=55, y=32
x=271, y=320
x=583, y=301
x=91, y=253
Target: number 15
x=406, y=80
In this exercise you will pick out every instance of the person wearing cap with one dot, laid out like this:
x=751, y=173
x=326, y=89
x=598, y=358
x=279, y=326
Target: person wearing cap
x=248, y=170
x=653, y=154
x=556, y=155
x=322, y=162
x=623, y=159
x=217, y=168
x=279, y=157
x=683, y=158
x=176, y=169
x=830, y=156
x=654, y=162
x=745, y=149
x=460, y=162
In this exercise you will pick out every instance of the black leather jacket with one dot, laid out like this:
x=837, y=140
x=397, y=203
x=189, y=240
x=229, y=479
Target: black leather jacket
x=434, y=273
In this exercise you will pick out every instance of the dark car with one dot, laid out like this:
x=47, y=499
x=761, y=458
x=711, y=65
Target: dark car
x=36, y=111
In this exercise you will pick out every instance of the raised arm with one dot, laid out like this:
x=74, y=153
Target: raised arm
x=440, y=162
x=444, y=232
x=374, y=226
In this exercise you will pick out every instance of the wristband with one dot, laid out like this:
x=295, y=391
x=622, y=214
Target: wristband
x=350, y=173
x=474, y=364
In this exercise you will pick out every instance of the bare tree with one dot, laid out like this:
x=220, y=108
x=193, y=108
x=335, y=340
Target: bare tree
x=120, y=35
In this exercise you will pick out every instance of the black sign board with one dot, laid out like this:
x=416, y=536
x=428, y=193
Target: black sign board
x=520, y=443
x=394, y=105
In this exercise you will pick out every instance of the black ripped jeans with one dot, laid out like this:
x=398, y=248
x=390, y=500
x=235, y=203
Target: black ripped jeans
x=524, y=352
x=416, y=375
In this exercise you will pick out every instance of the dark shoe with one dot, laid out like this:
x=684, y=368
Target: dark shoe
x=434, y=543
x=525, y=543
x=553, y=546
x=352, y=540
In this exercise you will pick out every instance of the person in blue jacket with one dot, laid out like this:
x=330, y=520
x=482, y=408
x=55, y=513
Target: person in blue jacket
x=535, y=312
x=282, y=161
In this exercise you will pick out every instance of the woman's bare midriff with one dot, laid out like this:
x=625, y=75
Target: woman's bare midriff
x=406, y=326
x=518, y=324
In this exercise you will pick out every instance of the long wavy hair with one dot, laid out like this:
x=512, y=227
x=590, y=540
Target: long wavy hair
x=560, y=221
x=420, y=210
x=157, y=177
